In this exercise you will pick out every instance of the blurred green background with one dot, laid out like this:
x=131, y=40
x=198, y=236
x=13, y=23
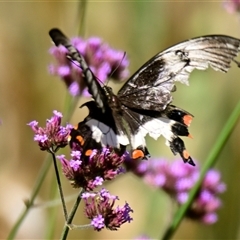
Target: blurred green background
x=142, y=29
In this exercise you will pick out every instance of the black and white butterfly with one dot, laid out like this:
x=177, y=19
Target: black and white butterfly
x=143, y=105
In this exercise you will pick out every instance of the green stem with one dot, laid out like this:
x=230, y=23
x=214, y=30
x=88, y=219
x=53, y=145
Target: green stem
x=53, y=211
x=71, y=216
x=82, y=16
x=211, y=160
x=59, y=186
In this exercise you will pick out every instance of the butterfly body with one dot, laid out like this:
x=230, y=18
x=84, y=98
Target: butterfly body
x=143, y=105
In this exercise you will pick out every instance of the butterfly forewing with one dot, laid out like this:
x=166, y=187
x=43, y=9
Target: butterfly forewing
x=151, y=86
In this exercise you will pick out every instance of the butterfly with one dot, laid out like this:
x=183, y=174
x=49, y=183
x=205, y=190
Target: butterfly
x=143, y=105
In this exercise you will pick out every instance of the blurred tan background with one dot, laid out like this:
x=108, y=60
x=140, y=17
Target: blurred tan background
x=142, y=29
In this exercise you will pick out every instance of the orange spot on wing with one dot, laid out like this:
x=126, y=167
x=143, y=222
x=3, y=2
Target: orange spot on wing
x=185, y=154
x=88, y=152
x=137, y=154
x=187, y=119
x=80, y=140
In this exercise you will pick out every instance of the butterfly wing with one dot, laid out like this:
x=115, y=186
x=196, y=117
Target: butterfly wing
x=84, y=139
x=170, y=123
x=112, y=131
x=147, y=94
x=93, y=85
x=151, y=86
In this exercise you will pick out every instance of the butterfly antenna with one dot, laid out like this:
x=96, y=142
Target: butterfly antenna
x=116, y=68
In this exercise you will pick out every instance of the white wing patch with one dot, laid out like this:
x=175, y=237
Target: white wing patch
x=159, y=126
x=104, y=134
x=155, y=128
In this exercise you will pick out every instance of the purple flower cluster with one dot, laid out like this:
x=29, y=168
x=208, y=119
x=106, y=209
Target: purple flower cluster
x=53, y=136
x=177, y=179
x=104, y=62
x=86, y=171
x=100, y=209
x=90, y=172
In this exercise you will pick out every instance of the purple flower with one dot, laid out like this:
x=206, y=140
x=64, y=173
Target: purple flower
x=177, y=179
x=87, y=195
x=53, y=136
x=207, y=201
x=213, y=182
x=75, y=164
x=210, y=218
x=232, y=6
x=98, y=181
x=90, y=172
x=76, y=155
x=98, y=222
x=99, y=207
x=102, y=60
